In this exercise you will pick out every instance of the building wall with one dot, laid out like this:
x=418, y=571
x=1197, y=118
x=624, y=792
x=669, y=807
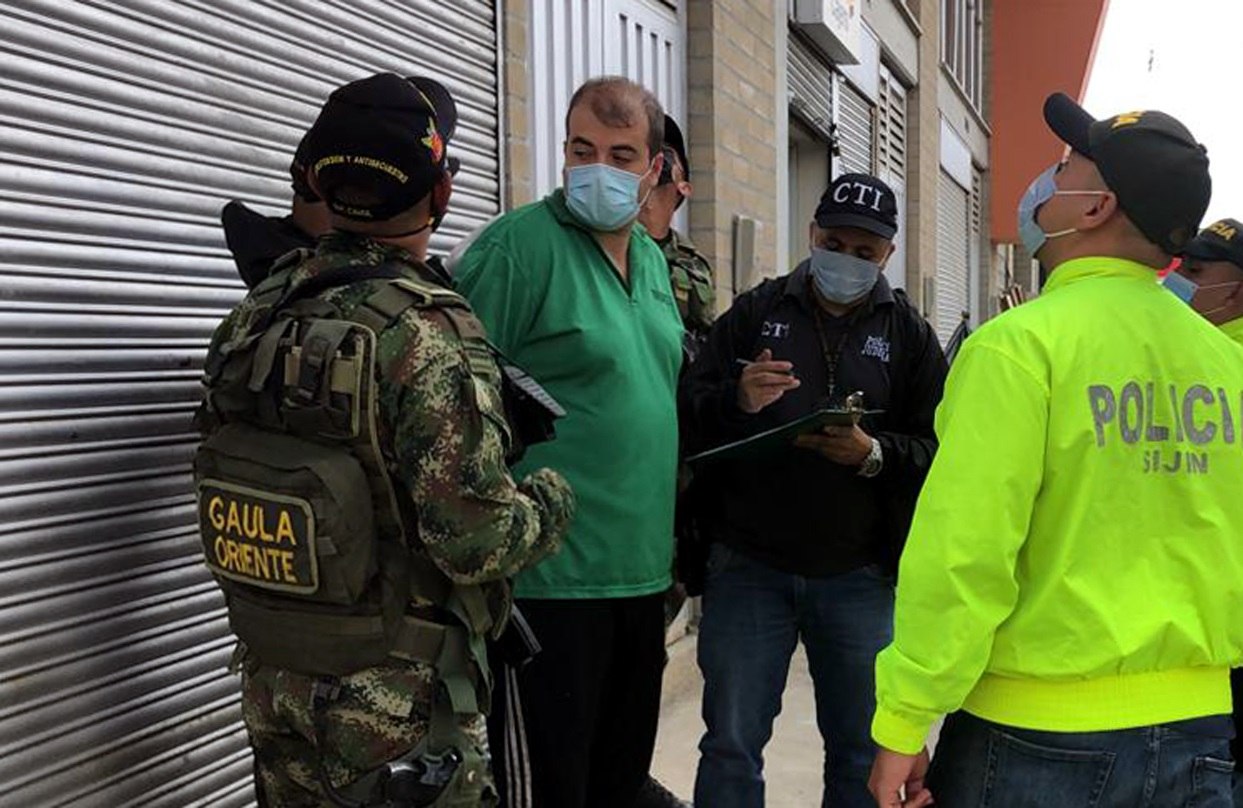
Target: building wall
x=733, y=108
x=519, y=176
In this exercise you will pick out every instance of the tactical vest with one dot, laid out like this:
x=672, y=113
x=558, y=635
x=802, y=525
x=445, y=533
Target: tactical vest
x=301, y=525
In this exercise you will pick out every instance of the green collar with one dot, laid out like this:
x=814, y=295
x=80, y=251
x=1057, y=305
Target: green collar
x=1079, y=269
x=1233, y=329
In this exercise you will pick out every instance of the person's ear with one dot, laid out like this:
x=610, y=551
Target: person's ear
x=1101, y=211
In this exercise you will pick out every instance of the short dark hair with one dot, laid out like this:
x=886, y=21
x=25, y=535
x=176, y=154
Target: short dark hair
x=615, y=99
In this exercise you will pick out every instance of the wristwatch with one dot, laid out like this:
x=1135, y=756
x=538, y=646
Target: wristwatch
x=872, y=464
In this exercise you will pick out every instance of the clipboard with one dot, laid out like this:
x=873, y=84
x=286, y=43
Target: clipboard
x=780, y=436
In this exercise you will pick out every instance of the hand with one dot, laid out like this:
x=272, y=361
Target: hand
x=895, y=774
x=764, y=381
x=847, y=445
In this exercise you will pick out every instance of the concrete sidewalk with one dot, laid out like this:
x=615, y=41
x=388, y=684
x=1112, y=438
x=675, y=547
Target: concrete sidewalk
x=792, y=760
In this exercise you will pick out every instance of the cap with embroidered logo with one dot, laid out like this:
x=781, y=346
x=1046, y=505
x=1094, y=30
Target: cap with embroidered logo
x=1152, y=163
x=1220, y=241
x=379, y=145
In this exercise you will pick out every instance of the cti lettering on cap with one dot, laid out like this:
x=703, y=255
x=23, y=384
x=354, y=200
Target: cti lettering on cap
x=842, y=194
x=257, y=537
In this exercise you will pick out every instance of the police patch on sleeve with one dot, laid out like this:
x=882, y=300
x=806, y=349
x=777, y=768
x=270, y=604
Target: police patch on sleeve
x=258, y=537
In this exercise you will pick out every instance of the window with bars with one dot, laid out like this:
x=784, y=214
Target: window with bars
x=962, y=46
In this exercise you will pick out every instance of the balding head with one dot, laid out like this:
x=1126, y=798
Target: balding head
x=619, y=102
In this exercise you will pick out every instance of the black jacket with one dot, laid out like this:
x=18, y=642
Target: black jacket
x=793, y=509
x=256, y=241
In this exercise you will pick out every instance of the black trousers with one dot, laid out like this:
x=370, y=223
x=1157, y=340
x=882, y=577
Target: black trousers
x=1236, y=694
x=589, y=703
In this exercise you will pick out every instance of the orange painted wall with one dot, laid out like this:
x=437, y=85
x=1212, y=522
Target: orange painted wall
x=1039, y=47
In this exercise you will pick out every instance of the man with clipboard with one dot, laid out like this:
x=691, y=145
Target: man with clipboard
x=805, y=528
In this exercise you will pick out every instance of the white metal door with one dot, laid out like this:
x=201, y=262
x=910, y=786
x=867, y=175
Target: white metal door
x=891, y=162
x=124, y=127
x=952, y=256
x=573, y=41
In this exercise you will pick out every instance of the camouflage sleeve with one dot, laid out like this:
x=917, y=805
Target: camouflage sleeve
x=693, y=288
x=441, y=408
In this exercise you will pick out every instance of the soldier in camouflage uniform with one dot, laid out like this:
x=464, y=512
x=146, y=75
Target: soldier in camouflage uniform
x=693, y=289
x=689, y=271
x=378, y=160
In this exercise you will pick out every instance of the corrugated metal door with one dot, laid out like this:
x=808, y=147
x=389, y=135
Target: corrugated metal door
x=952, y=260
x=810, y=87
x=891, y=162
x=975, y=248
x=124, y=127
x=855, y=129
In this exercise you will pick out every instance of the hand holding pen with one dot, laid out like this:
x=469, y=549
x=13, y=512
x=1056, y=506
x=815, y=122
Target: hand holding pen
x=763, y=381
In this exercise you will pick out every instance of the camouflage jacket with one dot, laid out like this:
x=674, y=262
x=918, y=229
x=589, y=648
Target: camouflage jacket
x=442, y=428
x=693, y=286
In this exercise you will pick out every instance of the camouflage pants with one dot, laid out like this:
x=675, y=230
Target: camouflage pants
x=379, y=714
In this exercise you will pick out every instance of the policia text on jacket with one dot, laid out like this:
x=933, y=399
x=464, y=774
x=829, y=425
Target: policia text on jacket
x=1160, y=413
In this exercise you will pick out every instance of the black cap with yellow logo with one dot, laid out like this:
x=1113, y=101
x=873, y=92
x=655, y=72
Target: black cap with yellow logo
x=1220, y=241
x=378, y=145
x=1149, y=160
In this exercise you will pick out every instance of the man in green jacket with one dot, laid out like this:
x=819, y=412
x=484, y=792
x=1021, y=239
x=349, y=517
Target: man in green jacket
x=575, y=294
x=1072, y=586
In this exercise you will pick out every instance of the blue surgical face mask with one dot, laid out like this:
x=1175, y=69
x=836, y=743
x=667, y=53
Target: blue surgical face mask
x=1185, y=289
x=842, y=278
x=602, y=197
x=1041, y=190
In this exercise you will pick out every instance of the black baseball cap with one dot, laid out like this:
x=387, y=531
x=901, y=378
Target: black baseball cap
x=859, y=200
x=383, y=138
x=674, y=141
x=446, y=120
x=1220, y=241
x=1149, y=160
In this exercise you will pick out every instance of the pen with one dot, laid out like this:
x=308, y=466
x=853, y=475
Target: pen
x=746, y=362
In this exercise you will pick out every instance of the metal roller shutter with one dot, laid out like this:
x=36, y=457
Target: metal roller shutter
x=124, y=127
x=974, y=247
x=891, y=161
x=952, y=278
x=810, y=83
x=854, y=129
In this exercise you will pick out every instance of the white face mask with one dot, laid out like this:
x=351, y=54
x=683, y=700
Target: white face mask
x=842, y=278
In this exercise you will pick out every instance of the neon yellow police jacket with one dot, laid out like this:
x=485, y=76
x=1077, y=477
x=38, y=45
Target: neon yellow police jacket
x=1076, y=558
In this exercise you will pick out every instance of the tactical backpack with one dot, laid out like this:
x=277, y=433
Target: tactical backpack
x=300, y=522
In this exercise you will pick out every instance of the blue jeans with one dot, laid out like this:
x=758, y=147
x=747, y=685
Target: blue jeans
x=1184, y=764
x=753, y=616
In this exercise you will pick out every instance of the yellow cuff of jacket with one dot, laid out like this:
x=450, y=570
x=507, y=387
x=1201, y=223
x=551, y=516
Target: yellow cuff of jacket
x=899, y=734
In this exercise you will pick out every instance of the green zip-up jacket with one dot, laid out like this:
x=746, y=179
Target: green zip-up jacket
x=1074, y=563
x=609, y=352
